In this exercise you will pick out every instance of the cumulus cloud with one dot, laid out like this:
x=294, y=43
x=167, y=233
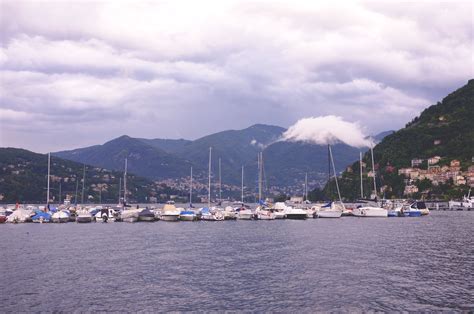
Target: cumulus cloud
x=166, y=65
x=327, y=130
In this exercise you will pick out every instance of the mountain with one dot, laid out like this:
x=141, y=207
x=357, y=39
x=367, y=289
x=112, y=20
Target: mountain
x=143, y=159
x=445, y=130
x=23, y=178
x=168, y=145
x=379, y=137
x=285, y=162
x=234, y=147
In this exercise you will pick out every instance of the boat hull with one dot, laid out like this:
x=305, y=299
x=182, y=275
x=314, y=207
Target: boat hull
x=130, y=219
x=279, y=215
x=60, y=220
x=370, y=212
x=245, y=216
x=296, y=216
x=187, y=217
x=414, y=213
x=330, y=214
x=265, y=217
x=146, y=218
x=170, y=217
x=80, y=219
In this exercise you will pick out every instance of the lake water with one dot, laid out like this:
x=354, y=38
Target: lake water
x=347, y=264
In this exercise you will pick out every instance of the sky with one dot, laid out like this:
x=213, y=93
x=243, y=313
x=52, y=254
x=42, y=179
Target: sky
x=80, y=73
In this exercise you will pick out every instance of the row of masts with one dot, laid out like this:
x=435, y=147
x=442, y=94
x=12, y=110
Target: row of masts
x=260, y=179
x=84, y=185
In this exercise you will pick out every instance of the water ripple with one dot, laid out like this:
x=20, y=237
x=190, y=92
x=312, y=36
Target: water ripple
x=347, y=264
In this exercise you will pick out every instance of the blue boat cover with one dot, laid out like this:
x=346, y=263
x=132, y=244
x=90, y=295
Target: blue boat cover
x=187, y=212
x=39, y=214
x=205, y=210
x=327, y=205
x=94, y=211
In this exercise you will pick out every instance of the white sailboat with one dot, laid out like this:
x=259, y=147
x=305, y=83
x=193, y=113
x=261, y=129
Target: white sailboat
x=372, y=209
x=333, y=210
x=243, y=213
x=208, y=213
x=128, y=214
x=262, y=212
x=189, y=214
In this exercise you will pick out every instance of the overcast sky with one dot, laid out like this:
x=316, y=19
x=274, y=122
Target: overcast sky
x=78, y=73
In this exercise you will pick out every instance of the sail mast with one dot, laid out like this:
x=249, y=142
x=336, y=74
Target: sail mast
x=306, y=186
x=242, y=187
x=335, y=177
x=49, y=171
x=220, y=181
x=125, y=183
x=373, y=169
x=259, y=177
x=361, y=178
x=191, y=189
x=120, y=190
x=209, y=178
x=77, y=189
x=83, y=183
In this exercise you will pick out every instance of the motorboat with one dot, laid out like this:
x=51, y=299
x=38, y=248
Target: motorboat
x=229, y=213
x=263, y=213
x=146, y=215
x=211, y=214
x=129, y=214
x=83, y=216
x=279, y=210
x=295, y=213
x=107, y=214
x=41, y=217
x=60, y=216
x=416, y=209
x=20, y=215
x=245, y=213
x=187, y=215
x=170, y=213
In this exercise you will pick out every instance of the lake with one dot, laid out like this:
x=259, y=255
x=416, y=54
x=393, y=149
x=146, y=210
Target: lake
x=346, y=264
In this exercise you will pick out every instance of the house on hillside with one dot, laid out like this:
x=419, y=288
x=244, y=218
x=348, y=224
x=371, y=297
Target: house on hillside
x=433, y=160
x=434, y=169
x=416, y=162
x=460, y=180
x=455, y=163
x=410, y=189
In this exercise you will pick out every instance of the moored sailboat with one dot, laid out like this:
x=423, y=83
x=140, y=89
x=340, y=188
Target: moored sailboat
x=373, y=209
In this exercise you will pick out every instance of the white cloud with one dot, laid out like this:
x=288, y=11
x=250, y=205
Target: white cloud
x=327, y=130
